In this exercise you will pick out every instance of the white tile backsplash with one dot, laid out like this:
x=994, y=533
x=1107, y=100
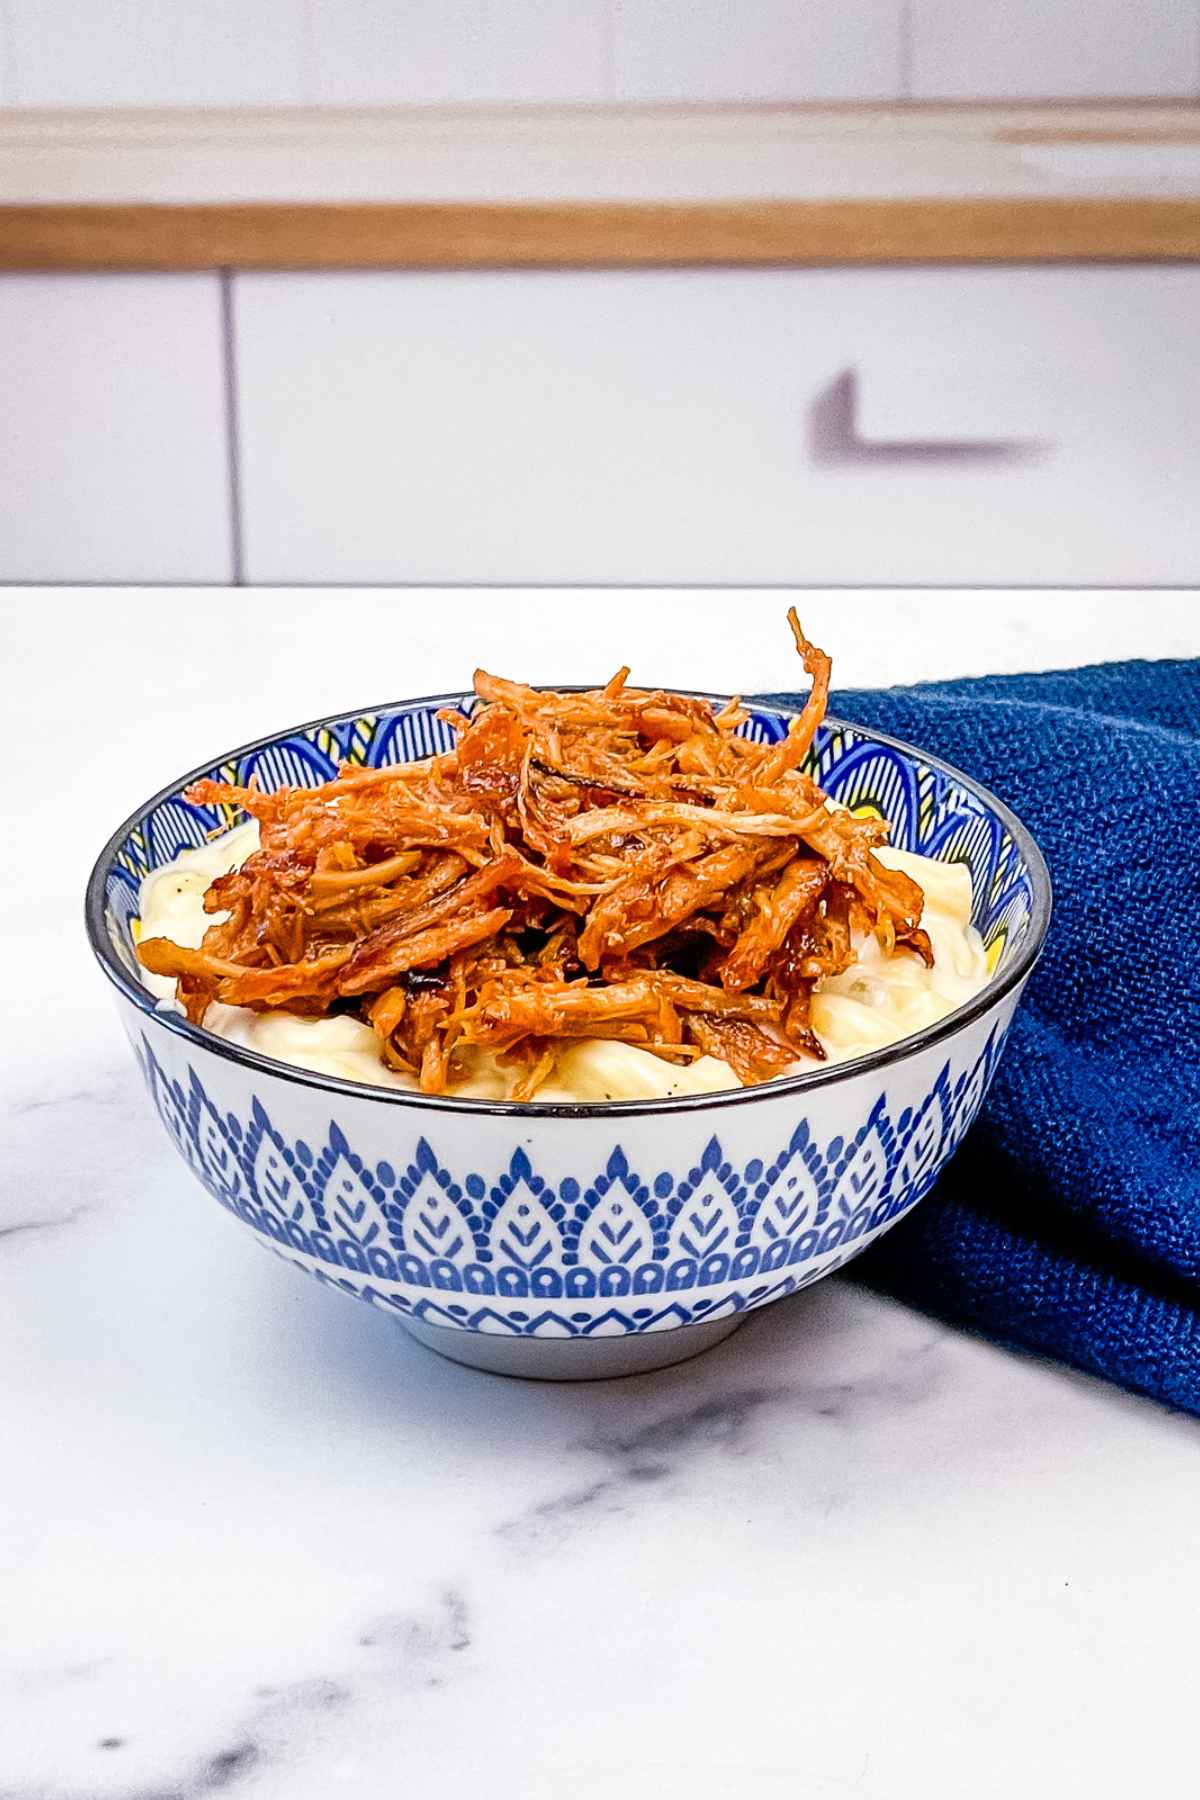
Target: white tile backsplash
x=756, y=49
x=700, y=426
x=112, y=431
x=278, y=52
x=159, y=53
x=1010, y=49
x=380, y=51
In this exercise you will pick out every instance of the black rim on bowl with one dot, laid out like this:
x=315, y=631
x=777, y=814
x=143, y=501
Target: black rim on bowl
x=981, y=1003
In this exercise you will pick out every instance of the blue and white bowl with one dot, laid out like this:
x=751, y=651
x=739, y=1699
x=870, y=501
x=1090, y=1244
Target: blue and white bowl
x=589, y=1240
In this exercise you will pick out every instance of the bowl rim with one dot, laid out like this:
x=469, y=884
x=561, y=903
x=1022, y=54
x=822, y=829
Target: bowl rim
x=779, y=1087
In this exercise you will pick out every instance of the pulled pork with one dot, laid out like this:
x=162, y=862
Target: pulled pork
x=611, y=864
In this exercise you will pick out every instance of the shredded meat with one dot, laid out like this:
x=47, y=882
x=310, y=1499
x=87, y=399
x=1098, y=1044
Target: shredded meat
x=612, y=864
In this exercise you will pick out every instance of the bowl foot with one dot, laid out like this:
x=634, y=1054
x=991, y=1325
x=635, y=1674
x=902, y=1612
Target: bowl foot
x=571, y=1359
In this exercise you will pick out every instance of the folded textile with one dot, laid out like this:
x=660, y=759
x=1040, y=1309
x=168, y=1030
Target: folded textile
x=1069, y=1221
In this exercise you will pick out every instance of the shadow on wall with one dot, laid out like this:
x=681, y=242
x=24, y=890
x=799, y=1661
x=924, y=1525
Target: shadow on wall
x=834, y=441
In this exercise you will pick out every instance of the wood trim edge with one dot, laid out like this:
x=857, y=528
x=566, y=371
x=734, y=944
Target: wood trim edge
x=559, y=234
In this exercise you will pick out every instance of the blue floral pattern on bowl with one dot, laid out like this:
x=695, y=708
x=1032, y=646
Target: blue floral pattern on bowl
x=429, y=1228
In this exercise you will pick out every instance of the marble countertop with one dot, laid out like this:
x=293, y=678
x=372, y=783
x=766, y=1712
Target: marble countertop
x=254, y=1541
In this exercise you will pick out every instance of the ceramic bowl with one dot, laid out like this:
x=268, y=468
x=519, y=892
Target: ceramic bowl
x=578, y=1241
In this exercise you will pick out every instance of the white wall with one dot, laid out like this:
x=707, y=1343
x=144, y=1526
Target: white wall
x=278, y=52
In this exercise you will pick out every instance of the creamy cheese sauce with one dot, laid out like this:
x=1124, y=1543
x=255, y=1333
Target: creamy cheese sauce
x=877, y=1001
x=880, y=999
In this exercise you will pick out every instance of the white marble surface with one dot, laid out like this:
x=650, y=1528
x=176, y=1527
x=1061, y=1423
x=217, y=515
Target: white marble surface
x=253, y=1541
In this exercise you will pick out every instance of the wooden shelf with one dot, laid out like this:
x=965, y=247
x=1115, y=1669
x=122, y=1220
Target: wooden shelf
x=641, y=234
x=597, y=187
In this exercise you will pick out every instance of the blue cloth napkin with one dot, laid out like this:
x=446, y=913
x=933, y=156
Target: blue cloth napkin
x=1069, y=1221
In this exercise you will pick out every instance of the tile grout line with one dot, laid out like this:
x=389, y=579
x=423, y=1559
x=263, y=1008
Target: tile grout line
x=233, y=456
x=309, y=81
x=10, y=86
x=608, y=52
x=905, y=70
